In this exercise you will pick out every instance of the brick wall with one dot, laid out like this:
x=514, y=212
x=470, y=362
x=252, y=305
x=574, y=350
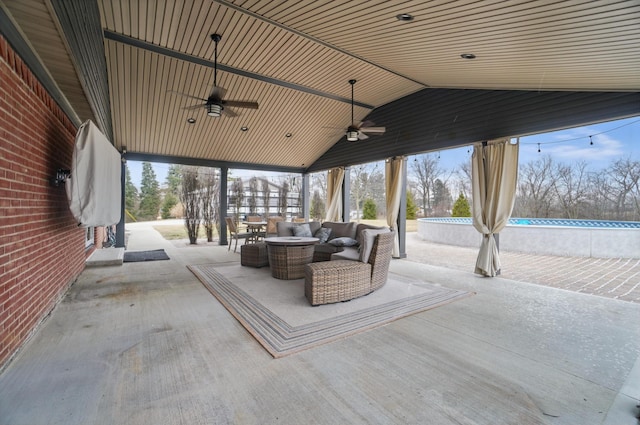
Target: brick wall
x=41, y=249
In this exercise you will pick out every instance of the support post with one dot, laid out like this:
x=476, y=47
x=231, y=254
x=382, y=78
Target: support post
x=402, y=215
x=224, y=172
x=305, y=196
x=120, y=225
x=346, y=195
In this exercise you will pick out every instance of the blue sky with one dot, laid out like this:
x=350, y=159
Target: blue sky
x=611, y=140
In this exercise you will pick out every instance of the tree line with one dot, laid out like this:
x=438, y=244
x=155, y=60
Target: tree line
x=546, y=188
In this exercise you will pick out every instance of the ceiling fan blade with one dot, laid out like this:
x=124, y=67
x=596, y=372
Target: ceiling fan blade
x=229, y=112
x=240, y=104
x=218, y=92
x=194, y=106
x=187, y=95
x=373, y=130
x=366, y=124
x=362, y=136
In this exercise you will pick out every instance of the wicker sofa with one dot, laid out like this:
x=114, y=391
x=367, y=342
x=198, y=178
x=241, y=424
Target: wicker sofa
x=345, y=279
x=324, y=251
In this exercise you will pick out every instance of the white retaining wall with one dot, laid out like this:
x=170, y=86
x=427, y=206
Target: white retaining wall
x=546, y=240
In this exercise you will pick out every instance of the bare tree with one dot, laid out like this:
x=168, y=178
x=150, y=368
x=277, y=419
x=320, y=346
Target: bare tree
x=571, y=187
x=367, y=181
x=625, y=178
x=236, y=197
x=535, y=188
x=253, y=195
x=463, y=175
x=283, y=201
x=190, y=198
x=266, y=196
x=209, y=190
x=426, y=170
x=600, y=195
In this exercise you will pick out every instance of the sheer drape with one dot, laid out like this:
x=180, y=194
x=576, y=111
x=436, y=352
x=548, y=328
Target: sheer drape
x=494, y=175
x=393, y=187
x=335, y=177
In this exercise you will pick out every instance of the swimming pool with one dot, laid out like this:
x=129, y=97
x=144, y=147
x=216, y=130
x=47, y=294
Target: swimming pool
x=564, y=237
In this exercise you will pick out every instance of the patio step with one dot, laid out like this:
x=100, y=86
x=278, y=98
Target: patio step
x=105, y=257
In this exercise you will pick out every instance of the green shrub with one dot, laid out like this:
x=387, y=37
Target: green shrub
x=461, y=207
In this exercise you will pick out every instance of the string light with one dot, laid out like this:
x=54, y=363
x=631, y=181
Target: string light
x=582, y=137
x=590, y=141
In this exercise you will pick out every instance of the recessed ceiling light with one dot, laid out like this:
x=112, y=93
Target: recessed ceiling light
x=404, y=17
x=468, y=56
x=191, y=120
x=288, y=135
x=244, y=128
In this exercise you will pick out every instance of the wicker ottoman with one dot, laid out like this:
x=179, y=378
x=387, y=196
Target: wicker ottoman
x=254, y=255
x=338, y=280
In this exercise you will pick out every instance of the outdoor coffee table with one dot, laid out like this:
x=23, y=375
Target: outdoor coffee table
x=288, y=255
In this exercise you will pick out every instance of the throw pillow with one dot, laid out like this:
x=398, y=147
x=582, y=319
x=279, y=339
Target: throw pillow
x=323, y=234
x=302, y=230
x=366, y=245
x=343, y=241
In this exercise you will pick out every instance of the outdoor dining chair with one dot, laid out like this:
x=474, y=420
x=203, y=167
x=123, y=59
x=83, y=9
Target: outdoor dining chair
x=234, y=234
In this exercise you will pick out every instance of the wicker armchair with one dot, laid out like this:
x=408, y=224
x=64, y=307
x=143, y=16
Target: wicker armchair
x=342, y=280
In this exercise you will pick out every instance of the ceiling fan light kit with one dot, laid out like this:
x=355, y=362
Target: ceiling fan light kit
x=214, y=110
x=352, y=134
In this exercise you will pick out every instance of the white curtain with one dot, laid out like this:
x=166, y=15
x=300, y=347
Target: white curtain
x=494, y=169
x=94, y=187
x=393, y=187
x=335, y=177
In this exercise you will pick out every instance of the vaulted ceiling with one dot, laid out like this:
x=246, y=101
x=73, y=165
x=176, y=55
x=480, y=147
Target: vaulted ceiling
x=538, y=65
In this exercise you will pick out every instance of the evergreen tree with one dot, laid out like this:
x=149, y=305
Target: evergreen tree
x=369, y=210
x=174, y=180
x=169, y=202
x=149, y=193
x=461, y=207
x=411, y=206
x=317, y=209
x=130, y=196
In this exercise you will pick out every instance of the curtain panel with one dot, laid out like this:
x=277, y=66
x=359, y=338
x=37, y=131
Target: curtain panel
x=335, y=177
x=494, y=167
x=393, y=189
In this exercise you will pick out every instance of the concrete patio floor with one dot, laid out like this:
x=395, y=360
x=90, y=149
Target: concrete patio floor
x=146, y=343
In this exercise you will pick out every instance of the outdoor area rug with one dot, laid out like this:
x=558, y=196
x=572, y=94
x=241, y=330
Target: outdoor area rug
x=135, y=256
x=279, y=316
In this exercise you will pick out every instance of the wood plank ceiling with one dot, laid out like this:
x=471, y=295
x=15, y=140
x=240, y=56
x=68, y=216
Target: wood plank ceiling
x=295, y=58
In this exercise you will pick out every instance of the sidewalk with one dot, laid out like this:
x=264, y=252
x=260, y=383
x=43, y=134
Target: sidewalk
x=617, y=278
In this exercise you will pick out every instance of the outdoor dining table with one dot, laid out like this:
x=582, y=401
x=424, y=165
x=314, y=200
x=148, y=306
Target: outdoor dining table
x=255, y=227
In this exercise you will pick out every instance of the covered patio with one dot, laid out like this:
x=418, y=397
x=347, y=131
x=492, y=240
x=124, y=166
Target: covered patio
x=146, y=343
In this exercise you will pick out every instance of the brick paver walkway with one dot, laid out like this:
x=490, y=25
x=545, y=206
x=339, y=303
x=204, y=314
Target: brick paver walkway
x=617, y=278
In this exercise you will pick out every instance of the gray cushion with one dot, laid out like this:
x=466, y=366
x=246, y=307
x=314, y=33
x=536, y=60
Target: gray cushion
x=322, y=234
x=350, y=253
x=302, y=230
x=285, y=228
x=339, y=230
x=367, y=240
x=343, y=241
